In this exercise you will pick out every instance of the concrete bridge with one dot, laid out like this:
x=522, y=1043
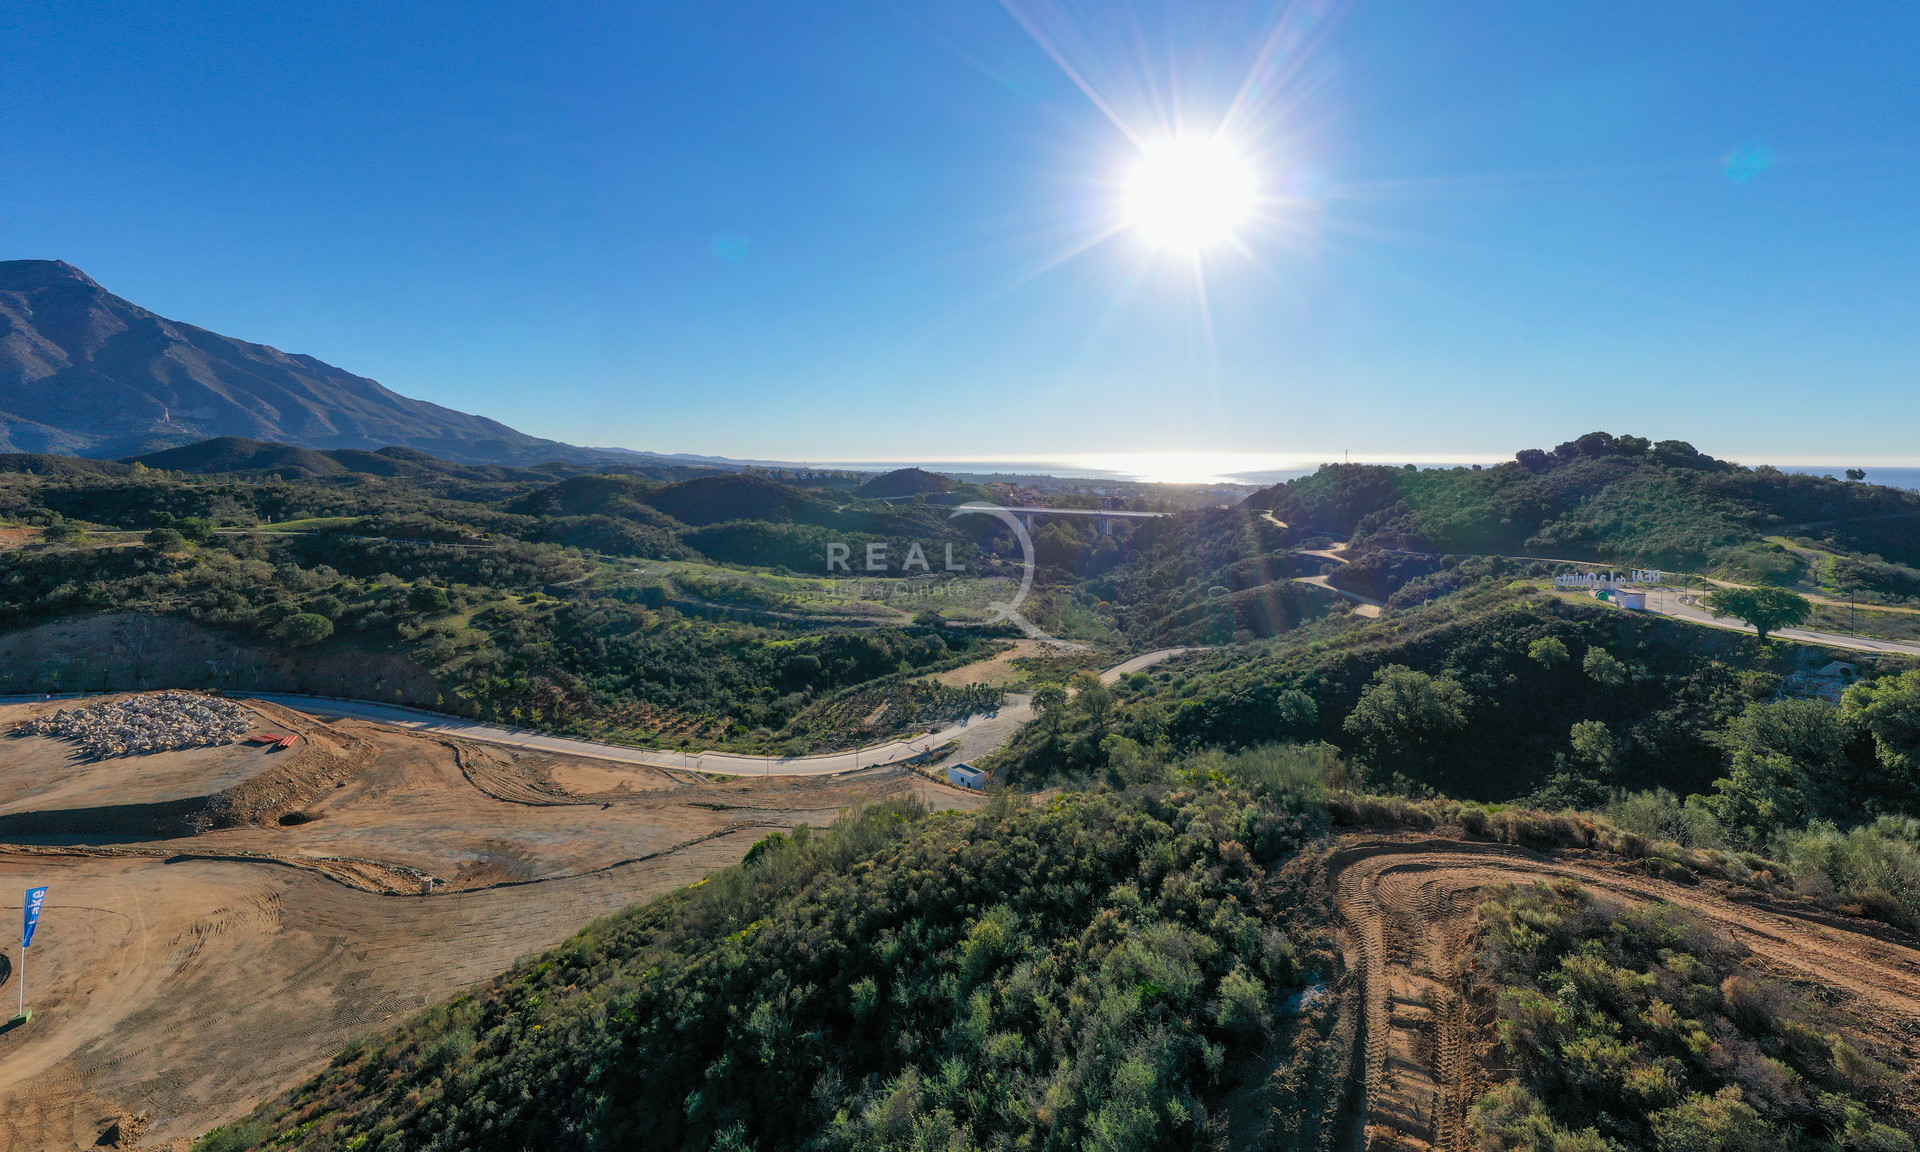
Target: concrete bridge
x=1103, y=518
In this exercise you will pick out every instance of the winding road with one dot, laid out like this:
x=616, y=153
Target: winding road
x=978, y=734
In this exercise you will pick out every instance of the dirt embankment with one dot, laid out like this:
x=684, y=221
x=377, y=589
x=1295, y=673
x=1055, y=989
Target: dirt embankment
x=129, y=651
x=1407, y=907
x=51, y=790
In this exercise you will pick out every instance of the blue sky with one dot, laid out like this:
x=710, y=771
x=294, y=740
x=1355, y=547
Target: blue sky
x=843, y=231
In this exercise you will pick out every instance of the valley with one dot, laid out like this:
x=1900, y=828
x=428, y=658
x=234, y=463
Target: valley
x=528, y=716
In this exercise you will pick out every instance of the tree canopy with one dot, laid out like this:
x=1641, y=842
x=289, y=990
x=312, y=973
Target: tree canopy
x=1767, y=609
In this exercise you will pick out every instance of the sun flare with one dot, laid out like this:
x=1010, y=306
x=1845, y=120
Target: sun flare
x=1189, y=193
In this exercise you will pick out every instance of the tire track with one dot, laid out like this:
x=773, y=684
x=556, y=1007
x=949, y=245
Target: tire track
x=1407, y=909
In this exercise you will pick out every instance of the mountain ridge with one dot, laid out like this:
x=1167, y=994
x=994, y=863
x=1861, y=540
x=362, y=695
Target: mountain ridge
x=85, y=372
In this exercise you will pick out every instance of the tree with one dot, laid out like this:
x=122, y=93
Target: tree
x=1593, y=746
x=1767, y=609
x=305, y=628
x=1092, y=697
x=165, y=540
x=1789, y=764
x=1604, y=668
x=1890, y=710
x=1550, y=651
x=1048, y=700
x=1299, y=715
x=1404, y=716
x=1856, y=474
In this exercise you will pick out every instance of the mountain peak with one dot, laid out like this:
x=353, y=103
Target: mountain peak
x=86, y=372
x=16, y=275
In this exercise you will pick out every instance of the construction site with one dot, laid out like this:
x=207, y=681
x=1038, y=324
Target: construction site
x=228, y=912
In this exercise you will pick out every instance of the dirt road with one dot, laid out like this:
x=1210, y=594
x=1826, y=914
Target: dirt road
x=972, y=731
x=1407, y=908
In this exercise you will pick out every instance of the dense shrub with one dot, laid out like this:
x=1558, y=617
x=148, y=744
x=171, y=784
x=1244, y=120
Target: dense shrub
x=1094, y=974
x=1640, y=1029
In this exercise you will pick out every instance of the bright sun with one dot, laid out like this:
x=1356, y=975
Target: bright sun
x=1189, y=193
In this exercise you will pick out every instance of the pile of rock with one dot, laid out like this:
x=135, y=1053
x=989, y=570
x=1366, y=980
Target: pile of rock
x=161, y=722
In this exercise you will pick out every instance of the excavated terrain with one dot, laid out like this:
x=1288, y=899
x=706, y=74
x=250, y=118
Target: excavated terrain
x=179, y=978
x=1407, y=907
x=223, y=919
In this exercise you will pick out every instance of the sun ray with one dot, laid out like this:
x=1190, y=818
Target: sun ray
x=1066, y=66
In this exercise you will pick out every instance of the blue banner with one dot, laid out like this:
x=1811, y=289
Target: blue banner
x=35, y=898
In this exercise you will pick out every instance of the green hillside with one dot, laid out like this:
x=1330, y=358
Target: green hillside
x=1101, y=973
x=1601, y=497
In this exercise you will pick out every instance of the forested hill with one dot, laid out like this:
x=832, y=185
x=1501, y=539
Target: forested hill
x=1600, y=497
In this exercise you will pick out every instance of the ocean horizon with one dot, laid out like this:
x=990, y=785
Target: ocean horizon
x=1246, y=469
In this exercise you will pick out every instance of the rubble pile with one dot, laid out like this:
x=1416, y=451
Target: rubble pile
x=161, y=722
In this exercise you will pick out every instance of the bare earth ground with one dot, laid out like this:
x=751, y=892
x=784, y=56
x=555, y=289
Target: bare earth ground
x=999, y=671
x=183, y=978
x=1407, y=905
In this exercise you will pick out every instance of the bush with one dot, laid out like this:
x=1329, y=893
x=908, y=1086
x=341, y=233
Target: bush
x=1876, y=867
x=1660, y=815
x=303, y=629
x=429, y=599
x=165, y=540
x=1640, y=1029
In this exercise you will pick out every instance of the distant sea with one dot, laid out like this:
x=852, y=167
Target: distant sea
x=1891, y=477
x=1244, y=469
x=1233, y=468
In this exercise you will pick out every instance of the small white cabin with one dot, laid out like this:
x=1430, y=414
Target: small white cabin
x=1631, y=598
x=965, y=775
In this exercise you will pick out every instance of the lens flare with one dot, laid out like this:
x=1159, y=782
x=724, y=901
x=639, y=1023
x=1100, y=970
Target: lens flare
x=1189, y=193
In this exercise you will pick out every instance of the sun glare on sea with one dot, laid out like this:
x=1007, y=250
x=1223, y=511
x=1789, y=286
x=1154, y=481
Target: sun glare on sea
x=1189, y=193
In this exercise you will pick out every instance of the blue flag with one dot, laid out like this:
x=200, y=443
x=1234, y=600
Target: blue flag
x=35, y=898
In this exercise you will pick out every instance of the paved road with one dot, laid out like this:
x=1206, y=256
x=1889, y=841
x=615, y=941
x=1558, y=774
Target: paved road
x=1138, y=663
x=1679, y=605
x=1369, y=607
x=978, y=734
